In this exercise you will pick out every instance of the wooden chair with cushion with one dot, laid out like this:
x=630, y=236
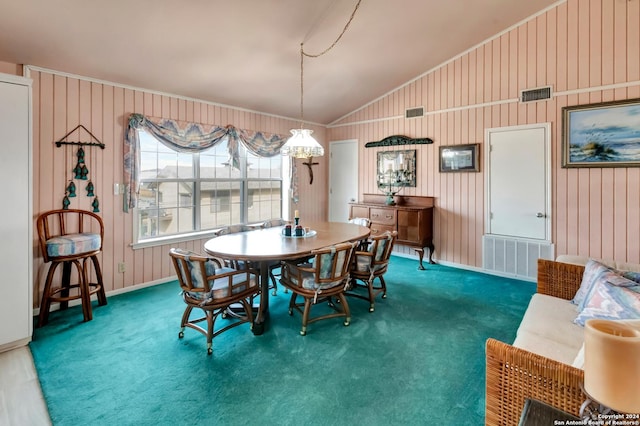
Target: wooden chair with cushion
x=71, y=238
x=243, y=264
x=273, y=266
x=323, y=280
x=370, y=264
x=362, y=221
x=208, y=285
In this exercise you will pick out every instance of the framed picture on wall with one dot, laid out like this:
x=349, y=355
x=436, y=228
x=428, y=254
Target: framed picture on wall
x=605, y=134
x=459, y=158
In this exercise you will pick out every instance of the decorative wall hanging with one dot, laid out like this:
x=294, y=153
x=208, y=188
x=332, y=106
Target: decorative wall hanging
x=605, y=134
x=80, y=170
x=397, y=140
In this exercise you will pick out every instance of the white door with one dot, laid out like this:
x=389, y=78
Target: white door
x=16, y=219
x=343, y=178
x=518, y=164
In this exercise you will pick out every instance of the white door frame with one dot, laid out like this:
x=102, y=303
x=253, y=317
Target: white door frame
x=331, y=171
x=487, y=161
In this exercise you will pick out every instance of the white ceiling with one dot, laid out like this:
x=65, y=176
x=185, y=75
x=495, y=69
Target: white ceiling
x=246, y=53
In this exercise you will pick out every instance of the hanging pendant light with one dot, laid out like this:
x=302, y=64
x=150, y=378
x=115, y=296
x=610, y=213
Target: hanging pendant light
x=301, y=144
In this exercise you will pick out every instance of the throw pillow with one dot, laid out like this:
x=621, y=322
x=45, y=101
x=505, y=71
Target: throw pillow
x=615, y=300
x=632, y=275
x=593, y=271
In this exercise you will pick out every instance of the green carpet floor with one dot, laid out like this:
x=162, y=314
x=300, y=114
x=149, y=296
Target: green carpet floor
x=417, y=360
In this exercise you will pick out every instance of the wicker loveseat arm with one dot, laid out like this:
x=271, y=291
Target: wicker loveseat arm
x=559, y=279
x=515, y=374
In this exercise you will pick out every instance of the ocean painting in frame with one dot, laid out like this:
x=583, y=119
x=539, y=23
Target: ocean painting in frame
x=601, y=135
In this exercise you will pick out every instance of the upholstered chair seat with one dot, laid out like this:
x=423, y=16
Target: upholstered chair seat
x=73, y=244
x=324, y=279
x=210, y=286
x=370, y=264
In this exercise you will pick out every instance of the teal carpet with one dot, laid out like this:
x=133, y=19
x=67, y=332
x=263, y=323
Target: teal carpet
x=418, y=359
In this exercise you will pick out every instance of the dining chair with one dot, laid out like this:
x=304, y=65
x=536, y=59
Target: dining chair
x=276, y=264
x=362, y=221
x=323, y=280
x=71, y=237
x=370, y=264
x=243, y=264
x=210, y=286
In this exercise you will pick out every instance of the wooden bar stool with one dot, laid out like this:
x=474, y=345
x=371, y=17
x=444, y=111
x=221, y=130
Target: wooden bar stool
x=71, y=238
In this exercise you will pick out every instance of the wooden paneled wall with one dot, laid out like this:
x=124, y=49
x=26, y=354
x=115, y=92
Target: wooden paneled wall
x=588, y=51
x=61, y=102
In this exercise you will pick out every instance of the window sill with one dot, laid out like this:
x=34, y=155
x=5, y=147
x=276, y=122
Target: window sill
x=161, y=241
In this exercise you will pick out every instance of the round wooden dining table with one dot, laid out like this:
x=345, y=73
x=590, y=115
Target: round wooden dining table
x=265, y=245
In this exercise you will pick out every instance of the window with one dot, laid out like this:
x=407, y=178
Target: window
x=183, y=193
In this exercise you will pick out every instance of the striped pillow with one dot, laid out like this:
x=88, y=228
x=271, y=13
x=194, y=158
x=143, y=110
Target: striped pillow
x=613, y=299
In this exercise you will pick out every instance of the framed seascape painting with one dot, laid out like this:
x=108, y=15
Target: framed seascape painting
x=601, y=135
x=459, y=158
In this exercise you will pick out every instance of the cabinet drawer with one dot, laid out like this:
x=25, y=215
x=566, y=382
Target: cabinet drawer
x=359, y=211
x=377, y=229
x=383, y=216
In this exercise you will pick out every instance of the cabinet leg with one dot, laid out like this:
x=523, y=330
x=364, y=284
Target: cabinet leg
x=420, y=252
x=431, y=248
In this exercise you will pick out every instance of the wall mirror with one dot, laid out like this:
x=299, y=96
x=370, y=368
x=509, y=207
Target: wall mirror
x=396, y=168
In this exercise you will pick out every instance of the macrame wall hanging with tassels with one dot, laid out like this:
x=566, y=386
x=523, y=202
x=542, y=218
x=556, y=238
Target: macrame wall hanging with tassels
x=81, y=170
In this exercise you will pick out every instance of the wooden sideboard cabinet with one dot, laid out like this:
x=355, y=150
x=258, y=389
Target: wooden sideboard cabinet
x=412, y=217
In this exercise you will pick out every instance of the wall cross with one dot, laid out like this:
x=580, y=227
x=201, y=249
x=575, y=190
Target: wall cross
x=309, y=164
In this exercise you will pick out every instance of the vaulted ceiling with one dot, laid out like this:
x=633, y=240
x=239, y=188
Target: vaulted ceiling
x=246, y=53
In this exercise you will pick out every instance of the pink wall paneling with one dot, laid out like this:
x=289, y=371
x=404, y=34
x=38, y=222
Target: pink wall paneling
x=61, y=102
x=579, y=47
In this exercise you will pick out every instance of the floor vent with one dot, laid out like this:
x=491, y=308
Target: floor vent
x=414, y=112
x=513, y=256
x=538, y=94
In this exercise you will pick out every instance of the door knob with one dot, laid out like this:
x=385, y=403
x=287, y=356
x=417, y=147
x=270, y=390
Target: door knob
x=352, y=200
x=541, y=215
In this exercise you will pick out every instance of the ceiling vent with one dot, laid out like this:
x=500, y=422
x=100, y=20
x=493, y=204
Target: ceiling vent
x=414, y=112
x=538, y=94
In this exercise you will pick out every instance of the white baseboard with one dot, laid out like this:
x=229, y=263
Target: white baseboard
x=466, y=267
x=56, y=306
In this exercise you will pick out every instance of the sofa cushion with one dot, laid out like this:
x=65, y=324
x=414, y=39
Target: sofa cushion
x=540, y=345
x=612, y=299
x=552, y=318
x=582, y=260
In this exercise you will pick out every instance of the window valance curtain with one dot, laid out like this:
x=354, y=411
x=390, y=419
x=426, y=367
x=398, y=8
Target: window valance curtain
x=190, y=137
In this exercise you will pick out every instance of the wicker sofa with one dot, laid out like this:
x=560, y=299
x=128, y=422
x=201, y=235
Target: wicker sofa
x=514, y=374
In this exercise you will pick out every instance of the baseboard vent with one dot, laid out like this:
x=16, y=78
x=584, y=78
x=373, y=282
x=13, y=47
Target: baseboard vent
x=538, y=94
x=414, y=112
x=513, y=256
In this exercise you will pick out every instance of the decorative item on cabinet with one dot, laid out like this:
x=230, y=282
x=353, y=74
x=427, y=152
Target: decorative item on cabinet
x=411, y=216
x=80, y=171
